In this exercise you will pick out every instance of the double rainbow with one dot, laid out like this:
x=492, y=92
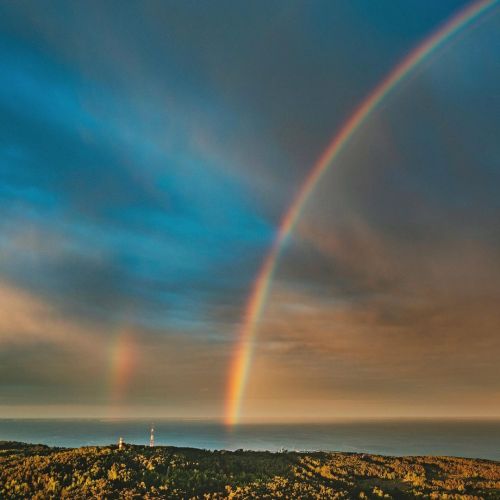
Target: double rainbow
x=242, y=358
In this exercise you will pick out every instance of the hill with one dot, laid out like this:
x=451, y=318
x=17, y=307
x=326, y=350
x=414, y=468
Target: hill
x=41, y=472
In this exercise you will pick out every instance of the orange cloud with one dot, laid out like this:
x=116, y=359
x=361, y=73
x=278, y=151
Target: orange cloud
x=26, y=318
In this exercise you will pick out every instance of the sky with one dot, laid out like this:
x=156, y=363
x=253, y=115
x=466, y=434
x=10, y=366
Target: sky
x=148, y=151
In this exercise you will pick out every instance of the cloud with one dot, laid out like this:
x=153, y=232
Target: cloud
x=49, y=359
x=148, y=153
x=385, y=299
x=381, y=356
x=27, y=319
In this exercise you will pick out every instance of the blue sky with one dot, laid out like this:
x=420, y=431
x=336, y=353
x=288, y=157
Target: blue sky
x=149, y=149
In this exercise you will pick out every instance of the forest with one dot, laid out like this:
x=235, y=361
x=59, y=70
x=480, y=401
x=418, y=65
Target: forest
x=42, y=472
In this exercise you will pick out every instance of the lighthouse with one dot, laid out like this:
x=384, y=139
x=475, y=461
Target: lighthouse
x=152, y=437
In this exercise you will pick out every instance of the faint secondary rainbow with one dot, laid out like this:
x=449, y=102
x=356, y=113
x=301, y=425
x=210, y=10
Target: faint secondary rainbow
x=242, y=356
x=122, y=360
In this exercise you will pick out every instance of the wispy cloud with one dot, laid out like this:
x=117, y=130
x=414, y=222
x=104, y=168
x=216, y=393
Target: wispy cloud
x=147, y=154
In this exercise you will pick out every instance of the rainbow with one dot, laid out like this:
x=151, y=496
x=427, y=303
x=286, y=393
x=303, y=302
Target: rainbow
x=122, y=357
x=242, y=357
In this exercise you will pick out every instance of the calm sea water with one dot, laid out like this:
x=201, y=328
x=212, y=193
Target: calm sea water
x=466, y=438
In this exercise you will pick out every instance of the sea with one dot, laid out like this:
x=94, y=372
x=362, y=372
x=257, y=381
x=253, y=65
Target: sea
x=461, y=438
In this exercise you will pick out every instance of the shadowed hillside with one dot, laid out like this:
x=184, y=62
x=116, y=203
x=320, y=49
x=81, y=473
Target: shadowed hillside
x=41, y=472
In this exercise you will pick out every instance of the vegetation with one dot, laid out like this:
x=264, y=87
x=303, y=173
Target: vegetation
x=40, y=472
